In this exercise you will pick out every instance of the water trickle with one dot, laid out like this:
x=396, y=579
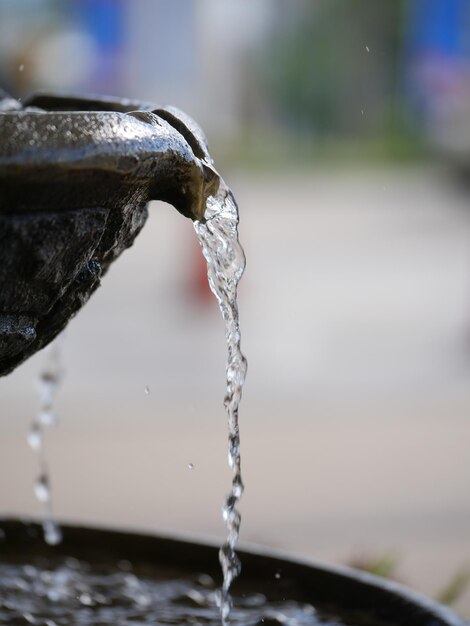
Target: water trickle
x=218, y=236
x=47, y=384
x=35, y=436
x=42, y=489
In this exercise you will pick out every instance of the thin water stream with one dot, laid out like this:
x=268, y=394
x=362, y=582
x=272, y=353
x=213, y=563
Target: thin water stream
x=47, y=384
x=218, y=236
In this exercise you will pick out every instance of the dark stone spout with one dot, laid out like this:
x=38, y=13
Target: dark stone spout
x=76, y=175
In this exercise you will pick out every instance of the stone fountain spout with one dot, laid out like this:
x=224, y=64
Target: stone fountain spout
x=76, y=175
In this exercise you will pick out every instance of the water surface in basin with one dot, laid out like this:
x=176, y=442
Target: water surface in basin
x=61, y=591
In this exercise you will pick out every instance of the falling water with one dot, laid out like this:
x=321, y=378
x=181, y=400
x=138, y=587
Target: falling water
x=218, y=236
x=47, y=384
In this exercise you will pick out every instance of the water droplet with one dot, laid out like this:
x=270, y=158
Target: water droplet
x=191, y=466
x=47, y=418
x=21, y=67
x=41, y=488
x=46, y=384
x=362, y=111
x=35, y=436
x=367, y=49
x=86, y=599
x=277, y=575
x=52, y=533
x=147, y=390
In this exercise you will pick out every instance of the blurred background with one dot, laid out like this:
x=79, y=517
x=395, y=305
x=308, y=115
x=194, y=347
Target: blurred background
x=344, y=130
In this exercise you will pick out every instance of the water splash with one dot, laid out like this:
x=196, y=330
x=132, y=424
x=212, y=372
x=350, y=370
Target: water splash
x=218, y=236
x=47, y=384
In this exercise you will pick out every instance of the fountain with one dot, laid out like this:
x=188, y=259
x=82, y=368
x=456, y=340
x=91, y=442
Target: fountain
x=76, y=175
x=75, y=178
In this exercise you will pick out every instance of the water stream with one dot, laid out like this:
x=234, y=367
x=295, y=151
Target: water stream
x=47, y=384
x=218, y=236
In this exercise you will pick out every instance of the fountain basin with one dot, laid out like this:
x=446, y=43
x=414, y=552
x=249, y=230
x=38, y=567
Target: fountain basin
x=340, y=596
